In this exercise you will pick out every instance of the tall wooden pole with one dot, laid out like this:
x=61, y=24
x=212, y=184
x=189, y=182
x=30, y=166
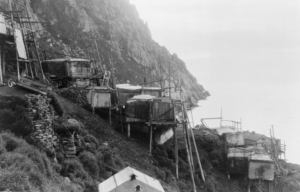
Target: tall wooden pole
x=151, y=134
x=198, y=156
x=34, y=42
x=184, y=125
x=176, y=152
x=1, y=63
x=170, y=80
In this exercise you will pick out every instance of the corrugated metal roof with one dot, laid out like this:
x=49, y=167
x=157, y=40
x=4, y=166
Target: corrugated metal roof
x=118, y=182
x=128, y=87
x=238, y=152
x=252, y=136
x=66, y=59
x=152, y=88
x=222, y=130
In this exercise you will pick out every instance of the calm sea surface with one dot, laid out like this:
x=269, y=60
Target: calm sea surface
x=258, y=107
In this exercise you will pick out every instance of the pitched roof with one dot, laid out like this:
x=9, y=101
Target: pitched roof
x=122, y=181
x=252, y=136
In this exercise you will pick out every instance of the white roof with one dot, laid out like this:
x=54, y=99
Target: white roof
x=128, y=86
x=124, y=176
x=222, y=130
x=143, y=97
x=238, y=152
x=66, y=59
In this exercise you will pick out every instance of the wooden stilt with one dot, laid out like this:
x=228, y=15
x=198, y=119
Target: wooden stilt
x=270, y=186
x=121, y=119
x=3, y=58
x=176, y=152
x=109, y=115
x=1, y=63
x=188, y=155
x=151, y=132
x=31, y=72
x=184, y=128
x=128, y=130
x=188, y=136
x=198, y=157
x=249, y=186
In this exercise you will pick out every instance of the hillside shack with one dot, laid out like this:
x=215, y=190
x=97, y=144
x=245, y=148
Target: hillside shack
x=256, y=139
x=236, y=139
x=261, y=165
x=130, y=179
x=237, y=160
x=150, y=110
x=127, y=91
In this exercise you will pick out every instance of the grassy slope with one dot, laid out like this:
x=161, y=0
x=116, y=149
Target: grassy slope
x=133, y=152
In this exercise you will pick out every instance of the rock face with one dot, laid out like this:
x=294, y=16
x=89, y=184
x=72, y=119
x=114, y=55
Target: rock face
x=72, y=25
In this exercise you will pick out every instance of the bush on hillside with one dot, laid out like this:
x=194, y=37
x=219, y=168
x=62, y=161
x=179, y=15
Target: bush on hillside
x=14, y=181
x=73, y=169
x=56, y=103
x=13, y=115
x=91, y=143
x=25, y=168
x=89, y=163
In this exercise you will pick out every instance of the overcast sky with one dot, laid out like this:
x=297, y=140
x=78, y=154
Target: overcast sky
x=246, y=53
x=229, y=35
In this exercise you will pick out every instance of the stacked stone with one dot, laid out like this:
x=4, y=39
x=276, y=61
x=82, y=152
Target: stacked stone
x=40, y=113
x=69, y=145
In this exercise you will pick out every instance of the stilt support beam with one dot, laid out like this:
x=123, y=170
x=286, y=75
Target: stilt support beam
x=151, y=138
x=128, y=130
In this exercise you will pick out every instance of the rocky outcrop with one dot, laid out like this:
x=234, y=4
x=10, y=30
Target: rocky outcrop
x=70, y=26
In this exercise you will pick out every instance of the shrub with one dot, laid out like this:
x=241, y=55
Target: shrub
x=56, y=103
x=25, y=168
x=15, y=181
x=13, y=115
x=160, y=174
x=89, y=162
x=182, y=185
x=73, y=169
x=2, y=146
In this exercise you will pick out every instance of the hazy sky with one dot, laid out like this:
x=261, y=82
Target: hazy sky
x=246, y=53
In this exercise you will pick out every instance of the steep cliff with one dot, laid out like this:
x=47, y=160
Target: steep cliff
x=71, y=26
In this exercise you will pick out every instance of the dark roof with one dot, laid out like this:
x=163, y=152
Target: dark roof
x=252, y=136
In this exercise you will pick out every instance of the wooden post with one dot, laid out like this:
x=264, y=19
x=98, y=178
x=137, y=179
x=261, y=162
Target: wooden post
x=151, y=132
x=270, y=186
x=189, y=138
x=284, y=150
x=128, y=130
x=198, y=157
x=121, y=119
x=3, y=58
x=34, y=43
x=188, y=155
x=249, y=186
x=176, y=151
x=184, y=125
x=1, y=63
